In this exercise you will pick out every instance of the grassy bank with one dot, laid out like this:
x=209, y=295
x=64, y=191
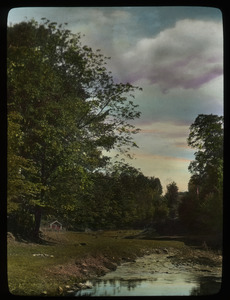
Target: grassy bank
x=67, y=258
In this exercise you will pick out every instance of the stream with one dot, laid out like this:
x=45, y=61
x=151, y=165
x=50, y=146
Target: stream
x=156, y=275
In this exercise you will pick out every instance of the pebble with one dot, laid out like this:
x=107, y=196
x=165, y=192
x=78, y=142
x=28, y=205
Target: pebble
x=44, y=293
x=88, y=285
x=42, y=255
x=70, y=291
x=85, y=285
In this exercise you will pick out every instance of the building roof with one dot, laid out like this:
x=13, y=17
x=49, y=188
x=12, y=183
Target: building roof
x=56, y=221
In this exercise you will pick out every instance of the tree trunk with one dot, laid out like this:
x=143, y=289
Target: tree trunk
x=38, y=209
x=38, y=217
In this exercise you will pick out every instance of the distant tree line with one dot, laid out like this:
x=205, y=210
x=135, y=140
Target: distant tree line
x=121, y=198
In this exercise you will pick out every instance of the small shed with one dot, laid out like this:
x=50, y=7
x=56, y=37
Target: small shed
x=55, y=225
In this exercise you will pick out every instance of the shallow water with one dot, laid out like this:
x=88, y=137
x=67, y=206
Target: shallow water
x=155, y=275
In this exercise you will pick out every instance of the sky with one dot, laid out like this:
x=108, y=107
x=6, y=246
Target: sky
x=174, y=53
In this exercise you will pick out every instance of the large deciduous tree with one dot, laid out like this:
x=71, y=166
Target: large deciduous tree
x=67, y=109
x=202, y=208
x=206, y=136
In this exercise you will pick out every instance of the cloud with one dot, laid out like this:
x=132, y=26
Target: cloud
x=147, y=42
x=179, y=106
x=183, y=145
x=162, y=139
x=165, y=129
x=162, y=157
x=164, y=167
x=174, y=53
x=185, y=56
x=105, y=28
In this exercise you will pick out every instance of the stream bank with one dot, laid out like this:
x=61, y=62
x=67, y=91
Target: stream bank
x=64, y=261
x=163, y=272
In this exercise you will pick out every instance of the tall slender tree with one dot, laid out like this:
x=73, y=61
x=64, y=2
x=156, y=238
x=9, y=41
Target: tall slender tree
x=172, y=198
x=206, y=136
x=202, y=208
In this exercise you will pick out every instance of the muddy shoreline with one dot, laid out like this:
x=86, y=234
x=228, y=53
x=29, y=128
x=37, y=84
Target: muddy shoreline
x=201, y=263
x=64, y=261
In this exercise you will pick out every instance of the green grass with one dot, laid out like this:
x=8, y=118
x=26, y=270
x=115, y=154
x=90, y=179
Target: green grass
x=28, y=274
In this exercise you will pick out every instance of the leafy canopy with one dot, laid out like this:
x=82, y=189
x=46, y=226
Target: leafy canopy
x=206, y=135
x=67, y=109
x=202, y=207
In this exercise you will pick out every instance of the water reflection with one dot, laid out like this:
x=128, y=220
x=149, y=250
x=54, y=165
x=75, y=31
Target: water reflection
x=172, y=285
x=156, y=275
x=207, y=286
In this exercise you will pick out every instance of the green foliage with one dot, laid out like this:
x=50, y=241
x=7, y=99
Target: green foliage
x=66, y=109
x=202, y=208
x=172, y=198
x=21, y=188
x=121, y=198
x=206, y=135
